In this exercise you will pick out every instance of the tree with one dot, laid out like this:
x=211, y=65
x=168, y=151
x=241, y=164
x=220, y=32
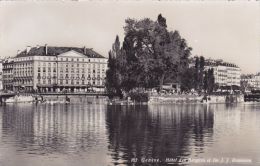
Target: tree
x=149, y=56
x=196, y=74
x=110, y=84
x=113, y=74
x=201, y=71
x=162, y=21
x=209, y=81
x=205, y=81
x=187, y=80
x=159, y=53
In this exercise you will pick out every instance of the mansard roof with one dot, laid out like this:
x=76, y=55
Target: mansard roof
x=54, y=51
x=212, y=62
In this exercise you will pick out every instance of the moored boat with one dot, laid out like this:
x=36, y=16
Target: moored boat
x=20, y=99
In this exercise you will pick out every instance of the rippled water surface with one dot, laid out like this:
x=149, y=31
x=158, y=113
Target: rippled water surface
x=93, y=134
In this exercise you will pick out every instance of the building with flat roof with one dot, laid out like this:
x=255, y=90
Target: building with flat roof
x=8, y=74
x=55, y=69
x=225, y=74
x=251, y=81
x=1, y=74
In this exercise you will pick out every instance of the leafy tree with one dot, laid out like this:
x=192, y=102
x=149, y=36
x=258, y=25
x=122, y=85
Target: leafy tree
x=113, y=74
x=201, y=71
x=149, y=56
x=110, y=75
x=196, y=75
x=187, y=79
x=209, y=81
x=205, y=81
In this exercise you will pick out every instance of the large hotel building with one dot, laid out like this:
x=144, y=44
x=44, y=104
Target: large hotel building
x=7, y=73
x=55, y=69
x=251, y=81
x=225, y=74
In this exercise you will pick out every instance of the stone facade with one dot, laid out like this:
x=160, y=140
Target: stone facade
x=251, y=81
x=225, y=74
x=1, y=75
x=8, y=74
x=55, y=69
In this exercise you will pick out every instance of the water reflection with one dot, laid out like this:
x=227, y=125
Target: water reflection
x=92, y=133
x=46, y=129
x=158, y=131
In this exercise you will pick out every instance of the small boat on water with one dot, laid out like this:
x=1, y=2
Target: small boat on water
x=20, y=99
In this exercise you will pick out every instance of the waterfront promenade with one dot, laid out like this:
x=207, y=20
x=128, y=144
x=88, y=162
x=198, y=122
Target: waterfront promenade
x=52, y=95
x=152, y=99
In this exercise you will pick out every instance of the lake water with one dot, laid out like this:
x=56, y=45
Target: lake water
x=94, y=134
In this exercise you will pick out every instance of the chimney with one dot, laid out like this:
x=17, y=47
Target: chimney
x=18, y=52
x=46, y=49
x=84, y=50
x=28, y=48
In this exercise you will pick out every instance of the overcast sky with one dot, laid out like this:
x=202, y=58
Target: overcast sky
x=226, y=30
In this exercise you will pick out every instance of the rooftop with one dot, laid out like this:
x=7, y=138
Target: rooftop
x=217, y=63
x=53, y=51
x=213, y=62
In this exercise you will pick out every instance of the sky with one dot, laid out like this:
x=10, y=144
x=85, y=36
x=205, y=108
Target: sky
x=218, y=30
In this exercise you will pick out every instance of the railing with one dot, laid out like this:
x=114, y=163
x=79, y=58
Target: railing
x=75, y=93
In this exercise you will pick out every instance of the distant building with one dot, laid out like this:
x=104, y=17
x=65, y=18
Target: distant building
x=54, y=69
x=8, y=73
x=257, y=78
x=251, y=81
x=225, y=74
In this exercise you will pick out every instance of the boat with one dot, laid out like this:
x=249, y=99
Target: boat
x=20, y=99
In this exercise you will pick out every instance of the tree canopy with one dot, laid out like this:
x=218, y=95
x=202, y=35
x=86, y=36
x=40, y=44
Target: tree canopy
x=150, y=55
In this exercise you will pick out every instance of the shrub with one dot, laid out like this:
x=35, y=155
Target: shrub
x=139, y=97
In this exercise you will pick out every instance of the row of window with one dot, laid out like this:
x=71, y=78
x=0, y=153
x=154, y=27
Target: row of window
x=7, y=81
x=52, y=58
x=97, y=77
x=23, y=73
x=7, y=66
x=72, y=64
x=21, y=65
x=7, y=76
x=30, y=72
x=43, y=70
x=70, y=82
x=18, y=82
x=49, y=81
